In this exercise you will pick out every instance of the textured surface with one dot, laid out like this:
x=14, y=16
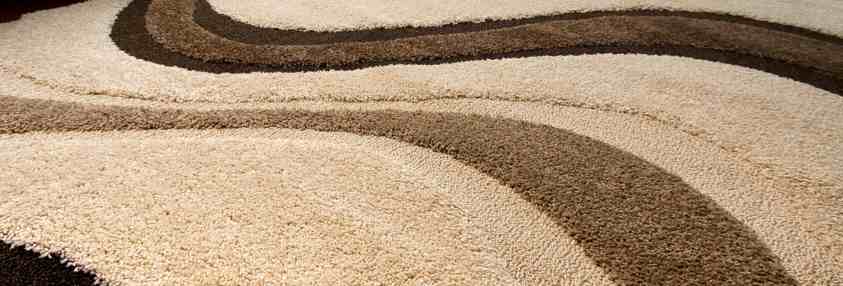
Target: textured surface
x=333, y=15
x=296, y=210
x=781, y=50
x=621, y=211
x=512, y=152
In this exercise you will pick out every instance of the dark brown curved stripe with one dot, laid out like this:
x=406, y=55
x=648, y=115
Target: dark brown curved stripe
x=129, y=34
x=19, y=266
x=640, y=223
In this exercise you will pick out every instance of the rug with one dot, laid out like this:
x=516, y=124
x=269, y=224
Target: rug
x=440, y=142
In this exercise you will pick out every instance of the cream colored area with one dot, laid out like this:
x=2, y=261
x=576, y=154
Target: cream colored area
x=749, y=112
x=250, y=207
x=334, y=15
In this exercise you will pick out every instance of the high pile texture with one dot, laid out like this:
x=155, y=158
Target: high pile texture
x=197, y=142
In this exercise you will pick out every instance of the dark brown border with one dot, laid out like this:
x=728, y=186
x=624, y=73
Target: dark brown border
x=641, y=224
x=11, y=10
x=19, y=266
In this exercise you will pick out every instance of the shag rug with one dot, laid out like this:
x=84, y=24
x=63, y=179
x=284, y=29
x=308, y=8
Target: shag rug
x=437, y=142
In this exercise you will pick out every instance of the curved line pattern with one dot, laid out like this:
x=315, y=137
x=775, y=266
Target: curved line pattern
x=179, y=33
x=636, y=221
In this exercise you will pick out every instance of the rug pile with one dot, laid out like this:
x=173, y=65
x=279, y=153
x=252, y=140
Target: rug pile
x=441, y=142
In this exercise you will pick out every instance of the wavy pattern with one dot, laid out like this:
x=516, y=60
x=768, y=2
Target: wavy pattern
x=625, y=212
x=639, y=222
x=783, y=50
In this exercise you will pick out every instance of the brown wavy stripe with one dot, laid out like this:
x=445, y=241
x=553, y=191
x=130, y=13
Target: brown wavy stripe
x=640, y=223
x=787, y=51
x=171, y=22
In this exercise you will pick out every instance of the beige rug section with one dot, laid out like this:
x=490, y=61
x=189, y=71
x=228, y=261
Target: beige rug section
x=275, y=206
x=335, y=15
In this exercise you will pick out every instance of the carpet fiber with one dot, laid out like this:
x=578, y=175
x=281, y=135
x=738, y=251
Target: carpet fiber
x=217, y=142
